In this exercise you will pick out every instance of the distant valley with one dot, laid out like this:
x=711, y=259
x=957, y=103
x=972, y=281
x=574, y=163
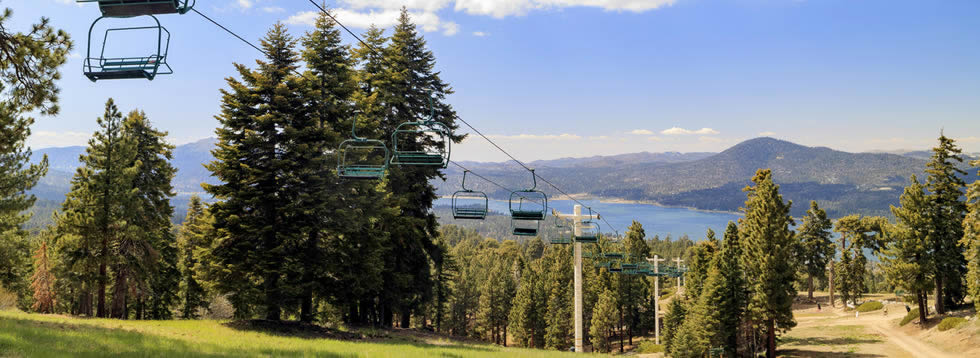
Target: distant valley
x=843, y=183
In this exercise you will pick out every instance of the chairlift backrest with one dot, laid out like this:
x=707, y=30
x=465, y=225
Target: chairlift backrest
x=144, y=66
x=127, y=8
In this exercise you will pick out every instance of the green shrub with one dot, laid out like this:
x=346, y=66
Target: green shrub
x=949, y=323
x=913, y=314
x=870, y=306
x=647, y=347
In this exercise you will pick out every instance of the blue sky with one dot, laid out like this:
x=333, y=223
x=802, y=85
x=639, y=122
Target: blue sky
x=555, y=78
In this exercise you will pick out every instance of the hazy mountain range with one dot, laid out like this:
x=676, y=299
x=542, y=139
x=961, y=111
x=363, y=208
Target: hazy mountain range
x=843, y=182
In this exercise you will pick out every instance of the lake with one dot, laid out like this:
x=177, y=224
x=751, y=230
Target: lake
x=656, y=220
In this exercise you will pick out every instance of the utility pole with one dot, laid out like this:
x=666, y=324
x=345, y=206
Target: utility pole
x=577, y=219
x=678, y=261
x=656, y=293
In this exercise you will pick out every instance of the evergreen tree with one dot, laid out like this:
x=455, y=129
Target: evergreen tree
x=971, y=239
x=728, y=290
x=29, y=65
x=699, y=262
x=856, y=234
x=559, y=311
x=404, y=92
x=946, y=214
x=632, y=289
x=768, y=257
x=672, y=323
x=193, y=236
x=603, y=321
x=254, y=223
x=42, y=282
x=94, y=210
x=525, y=314
x=147, y=256
x=816, y=248
x=907, y=257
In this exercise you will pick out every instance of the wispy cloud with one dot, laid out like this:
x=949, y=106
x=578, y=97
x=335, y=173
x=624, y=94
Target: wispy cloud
x=563, y=136
x=682, y=131
x=767, y=134
x=245, y=4
x=429, y=22
x=273, y=9
x=47, y=139
x=505, y=8
x=641, y=132
x=480, y=34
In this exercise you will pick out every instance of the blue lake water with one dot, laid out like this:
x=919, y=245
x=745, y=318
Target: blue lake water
x=656, y=220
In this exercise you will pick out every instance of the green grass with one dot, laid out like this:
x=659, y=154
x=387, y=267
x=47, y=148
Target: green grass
x=949, y=323
x=870, y=306
x=649, y=347
x=913, y=314
x=33, y=335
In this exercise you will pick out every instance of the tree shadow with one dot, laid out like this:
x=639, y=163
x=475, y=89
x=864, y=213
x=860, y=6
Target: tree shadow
x=30, y=338
x=824, y=341
x=789, y=353
x=293, y=329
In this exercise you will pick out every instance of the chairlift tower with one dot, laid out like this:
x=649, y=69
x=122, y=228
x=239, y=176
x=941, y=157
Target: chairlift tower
x=578, y=222
x=678, y=261
x=656, y=293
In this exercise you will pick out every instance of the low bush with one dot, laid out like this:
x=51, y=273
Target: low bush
x=870, y=306
x=647, y=347
x=949, y=323
x=913, y=314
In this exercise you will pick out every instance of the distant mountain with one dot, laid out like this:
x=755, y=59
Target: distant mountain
x=843, y=182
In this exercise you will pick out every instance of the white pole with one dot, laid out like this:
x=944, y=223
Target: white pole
x=656, y=294
x=579, y=335
x=678, y=261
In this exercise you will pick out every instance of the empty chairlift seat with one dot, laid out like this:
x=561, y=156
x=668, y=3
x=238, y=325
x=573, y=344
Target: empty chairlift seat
x=126, y=8
x=469, y=204
x=361, y=158
x=425, y=143
x=528, y=208
x=140, y=66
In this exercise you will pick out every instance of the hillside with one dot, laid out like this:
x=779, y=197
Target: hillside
x=844, y=182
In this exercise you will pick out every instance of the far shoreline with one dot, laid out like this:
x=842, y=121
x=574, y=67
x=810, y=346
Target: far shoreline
x=635, y=202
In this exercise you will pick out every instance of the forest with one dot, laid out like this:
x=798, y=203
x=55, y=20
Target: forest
x=283, y=237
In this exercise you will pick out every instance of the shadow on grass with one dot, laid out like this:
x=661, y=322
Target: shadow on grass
x=811, y=354
x=291, y=329
x=29, y=338
x=823, y=341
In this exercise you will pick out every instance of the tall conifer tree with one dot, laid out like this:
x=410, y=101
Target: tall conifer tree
x=193, y=236
x=947, y=212
x=971, y=239
x=768, y=257
x=907, y=258
x=816, y=249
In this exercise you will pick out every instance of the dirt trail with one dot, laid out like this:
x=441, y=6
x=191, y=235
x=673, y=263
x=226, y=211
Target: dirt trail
x=915, y=347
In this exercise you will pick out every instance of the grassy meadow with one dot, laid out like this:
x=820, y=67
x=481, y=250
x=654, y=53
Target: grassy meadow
x=34, y=335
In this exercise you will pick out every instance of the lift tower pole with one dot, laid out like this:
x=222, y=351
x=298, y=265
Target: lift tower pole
x=577, y=219
x=656, y=293
x=678, y=261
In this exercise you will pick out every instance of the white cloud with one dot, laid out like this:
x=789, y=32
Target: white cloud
x=655, y=139
x=767, y=134
x=450, y=28
x=48, y=139
x=245, y=4
x=273, y=9
x=384, y=13
x=641, y=132
x=682, y=131
x=504, y=8
x=563, y=136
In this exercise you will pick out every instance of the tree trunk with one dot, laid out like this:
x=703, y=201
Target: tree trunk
x=272, y=310
x=809, y=287
x=505, y=336
x=406, y=319
x=100, y=310
x=922, y=306
x=832, y=284
x=119, y=295
x=306, y=307
x=771, y=338
x=940, y=308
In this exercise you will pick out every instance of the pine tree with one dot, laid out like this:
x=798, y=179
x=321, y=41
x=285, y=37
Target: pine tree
x=94, y=209
x=43, y=281
x=254, y=224
x=408, y=85
x=29, y=65
x=148, y=254
x=856, y=234
x=946, y=214
x=632, y=289
x=699, y=262
x=816, y=249
x=525, y=313
x=672, y=323
x=603, y=321
x=768, y=257
x=971, y=239
x=559, y=311
x=192, y=237
x=907, y=257
x=730, y=297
